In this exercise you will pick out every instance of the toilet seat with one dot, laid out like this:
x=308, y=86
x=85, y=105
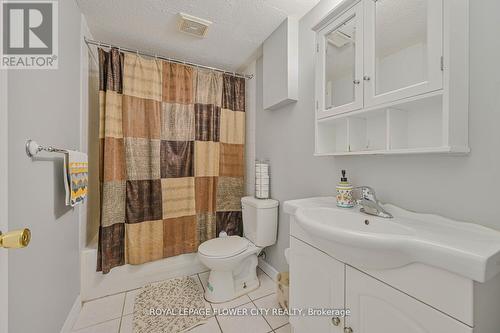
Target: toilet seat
x=224, y=247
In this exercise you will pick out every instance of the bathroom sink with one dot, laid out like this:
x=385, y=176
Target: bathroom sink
x=366, y=241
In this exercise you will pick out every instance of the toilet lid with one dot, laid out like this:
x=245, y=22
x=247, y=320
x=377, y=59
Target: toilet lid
x=223, y=246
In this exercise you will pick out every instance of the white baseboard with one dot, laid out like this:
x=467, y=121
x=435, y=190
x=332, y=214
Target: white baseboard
x=120, y=279
x=268, y=269
x=72, y=315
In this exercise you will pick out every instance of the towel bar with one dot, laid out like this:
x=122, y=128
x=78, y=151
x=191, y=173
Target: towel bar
x=33, y=148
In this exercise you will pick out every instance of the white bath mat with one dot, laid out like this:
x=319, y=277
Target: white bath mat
x=161, y=307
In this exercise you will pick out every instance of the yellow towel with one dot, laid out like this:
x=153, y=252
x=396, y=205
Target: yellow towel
x=75, y=177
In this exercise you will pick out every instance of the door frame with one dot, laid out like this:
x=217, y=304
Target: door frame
x=4, y=225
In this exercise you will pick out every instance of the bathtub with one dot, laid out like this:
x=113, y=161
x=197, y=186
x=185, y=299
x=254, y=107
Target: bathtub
x=120, y=279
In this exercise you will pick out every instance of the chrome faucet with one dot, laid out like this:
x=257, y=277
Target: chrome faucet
x=369, y=203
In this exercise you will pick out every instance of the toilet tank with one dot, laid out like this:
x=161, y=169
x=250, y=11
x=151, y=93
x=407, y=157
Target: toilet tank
x=260, y=220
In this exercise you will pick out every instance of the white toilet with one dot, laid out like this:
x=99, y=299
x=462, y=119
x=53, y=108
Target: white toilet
x=233, y=259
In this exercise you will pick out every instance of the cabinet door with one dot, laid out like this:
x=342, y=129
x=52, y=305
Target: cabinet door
x=339, y=69
x=316, y=282
x=403, y=49
x=377, y=308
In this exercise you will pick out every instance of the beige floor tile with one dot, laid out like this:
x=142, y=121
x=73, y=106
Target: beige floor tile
x=267, y=286
x=244, y=324
x=200, y=286
x=270, y=302
x=112, y=326
x=233, y=303
x=100, y=310
x=211, y=326
x=284, y=329
x=126, y=325
x=129, y=301
x=204, y=279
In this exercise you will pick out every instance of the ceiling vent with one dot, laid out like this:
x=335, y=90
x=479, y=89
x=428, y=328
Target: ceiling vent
x=193, y=26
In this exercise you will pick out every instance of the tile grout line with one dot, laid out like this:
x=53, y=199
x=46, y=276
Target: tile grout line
x=272, y=330
x=260, y=297
x=99, y=323
x=201, y=282
x=111, y=295
x=123, y=309
x=218, y=324
x=277, y=328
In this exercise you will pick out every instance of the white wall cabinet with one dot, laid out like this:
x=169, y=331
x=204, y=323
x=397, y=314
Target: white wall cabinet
x=340, y=69
x=403, y=49
x=280, y=56
x=389, y=70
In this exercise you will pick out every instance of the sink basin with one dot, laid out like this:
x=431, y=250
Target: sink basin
x=366, y=241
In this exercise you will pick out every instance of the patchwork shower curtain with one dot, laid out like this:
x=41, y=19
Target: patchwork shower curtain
x=171, y=159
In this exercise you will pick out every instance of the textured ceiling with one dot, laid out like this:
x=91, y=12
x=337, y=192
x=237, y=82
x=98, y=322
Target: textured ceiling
x=239, y=26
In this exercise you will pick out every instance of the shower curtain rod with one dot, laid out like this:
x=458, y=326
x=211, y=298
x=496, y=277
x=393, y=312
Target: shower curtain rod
x=187, y=63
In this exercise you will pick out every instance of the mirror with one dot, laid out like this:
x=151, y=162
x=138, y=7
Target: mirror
x=340, y=55
x=400, y=44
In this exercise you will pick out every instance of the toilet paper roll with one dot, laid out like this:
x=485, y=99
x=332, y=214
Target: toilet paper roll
x=262, y=181
x=262, y=167
x=262, y=187
x=262, y=194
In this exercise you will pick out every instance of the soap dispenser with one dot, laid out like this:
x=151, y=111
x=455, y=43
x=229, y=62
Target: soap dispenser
x=344, y=193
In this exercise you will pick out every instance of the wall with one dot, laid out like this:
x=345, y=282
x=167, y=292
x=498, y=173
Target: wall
x=250, y=114
x=44, y=279
x=459, y=187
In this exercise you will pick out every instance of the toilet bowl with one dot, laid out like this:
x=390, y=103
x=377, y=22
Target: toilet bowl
x=233, y=264
x=232, y=260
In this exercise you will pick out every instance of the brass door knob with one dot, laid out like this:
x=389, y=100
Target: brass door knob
x=15, y=239
x=336, y=321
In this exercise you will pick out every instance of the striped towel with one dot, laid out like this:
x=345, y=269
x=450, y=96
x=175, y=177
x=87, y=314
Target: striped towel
x=75, y=177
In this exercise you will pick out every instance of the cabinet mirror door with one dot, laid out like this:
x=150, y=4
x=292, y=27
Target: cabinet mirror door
x=341, y=58
x=403, y=49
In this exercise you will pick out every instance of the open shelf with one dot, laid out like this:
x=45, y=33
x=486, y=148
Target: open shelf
x=414, y=126
x=332, y=136
x=367, y=131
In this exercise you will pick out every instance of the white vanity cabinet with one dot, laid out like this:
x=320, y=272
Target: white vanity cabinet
x=410, y=298
x=319, y=283
x=392, y=77
x=379, y=308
